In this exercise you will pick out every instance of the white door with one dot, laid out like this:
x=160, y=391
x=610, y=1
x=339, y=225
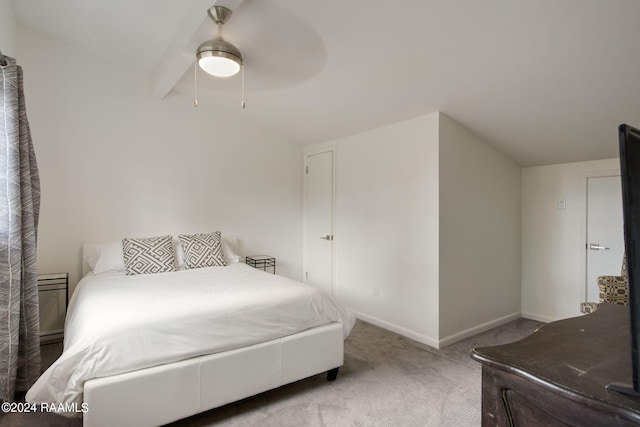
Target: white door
x=605, y=235
x=318, y=221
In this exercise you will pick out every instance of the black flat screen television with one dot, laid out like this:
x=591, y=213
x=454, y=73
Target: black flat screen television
x=629, y=140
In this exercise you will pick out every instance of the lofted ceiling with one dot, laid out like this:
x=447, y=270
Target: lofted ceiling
x=544, y=81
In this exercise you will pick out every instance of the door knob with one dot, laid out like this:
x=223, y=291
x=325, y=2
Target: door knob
x=597, y=247
x=327, y=237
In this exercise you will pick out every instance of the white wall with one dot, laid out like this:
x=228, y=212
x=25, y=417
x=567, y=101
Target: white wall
x=553, y=240
x=7, y=29
x=418, y=205
x=387, y=226
x=479, y=234
x=114, y=163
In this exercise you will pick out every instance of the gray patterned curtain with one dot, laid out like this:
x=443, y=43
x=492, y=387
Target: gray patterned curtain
x=19, y=210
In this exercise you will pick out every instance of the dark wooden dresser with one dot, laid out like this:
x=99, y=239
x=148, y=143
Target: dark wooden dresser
x=557, y=375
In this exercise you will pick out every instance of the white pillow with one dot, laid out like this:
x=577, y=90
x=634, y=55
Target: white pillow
x=92, y=261
x=178, y=253
x=229, y=255
x=110, y=258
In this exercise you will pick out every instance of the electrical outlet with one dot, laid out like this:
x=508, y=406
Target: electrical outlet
x=375, y=291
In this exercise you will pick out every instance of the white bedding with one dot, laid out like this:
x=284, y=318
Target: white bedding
x=118, y=323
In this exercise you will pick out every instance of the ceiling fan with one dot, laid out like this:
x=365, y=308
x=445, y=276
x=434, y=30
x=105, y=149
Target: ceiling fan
x=281, y=49
x=217, y=56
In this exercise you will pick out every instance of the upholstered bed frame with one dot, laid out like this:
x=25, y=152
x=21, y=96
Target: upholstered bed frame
x=165, y=393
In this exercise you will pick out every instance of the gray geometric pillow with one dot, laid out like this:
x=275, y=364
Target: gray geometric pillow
x=202, y=250
x=148, y=255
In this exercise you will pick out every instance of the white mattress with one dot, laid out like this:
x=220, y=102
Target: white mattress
x=119, y=323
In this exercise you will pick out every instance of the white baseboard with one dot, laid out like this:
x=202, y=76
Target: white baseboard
x=459, y=336
x=432, y=342
x=538, y=317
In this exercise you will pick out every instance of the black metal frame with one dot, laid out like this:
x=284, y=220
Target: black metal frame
x=261, y=261
x=54, y=282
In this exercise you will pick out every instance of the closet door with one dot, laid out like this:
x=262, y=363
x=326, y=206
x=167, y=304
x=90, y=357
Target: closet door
x=605, y=238
x=318, y=235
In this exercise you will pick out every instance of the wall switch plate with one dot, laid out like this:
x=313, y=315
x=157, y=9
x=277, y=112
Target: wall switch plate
x=562, y=203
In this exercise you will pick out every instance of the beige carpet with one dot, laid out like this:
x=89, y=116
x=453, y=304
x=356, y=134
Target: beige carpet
x=387, y=380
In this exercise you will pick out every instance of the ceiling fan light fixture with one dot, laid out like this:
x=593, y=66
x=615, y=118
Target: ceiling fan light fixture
x=219, y=66
x=219, y=58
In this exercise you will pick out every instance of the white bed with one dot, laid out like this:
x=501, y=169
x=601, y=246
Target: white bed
x=197, y=353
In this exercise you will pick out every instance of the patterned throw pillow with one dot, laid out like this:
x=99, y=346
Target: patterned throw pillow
x=148, y=255
x=202, y=250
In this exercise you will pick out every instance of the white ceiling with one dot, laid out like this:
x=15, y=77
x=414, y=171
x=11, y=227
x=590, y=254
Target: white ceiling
x=544, y=81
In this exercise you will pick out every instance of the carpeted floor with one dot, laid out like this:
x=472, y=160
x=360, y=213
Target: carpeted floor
x=386, y=380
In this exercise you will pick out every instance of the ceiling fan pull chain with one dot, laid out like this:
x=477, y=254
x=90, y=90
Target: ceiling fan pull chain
x=195, y=84
x=242, y=68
